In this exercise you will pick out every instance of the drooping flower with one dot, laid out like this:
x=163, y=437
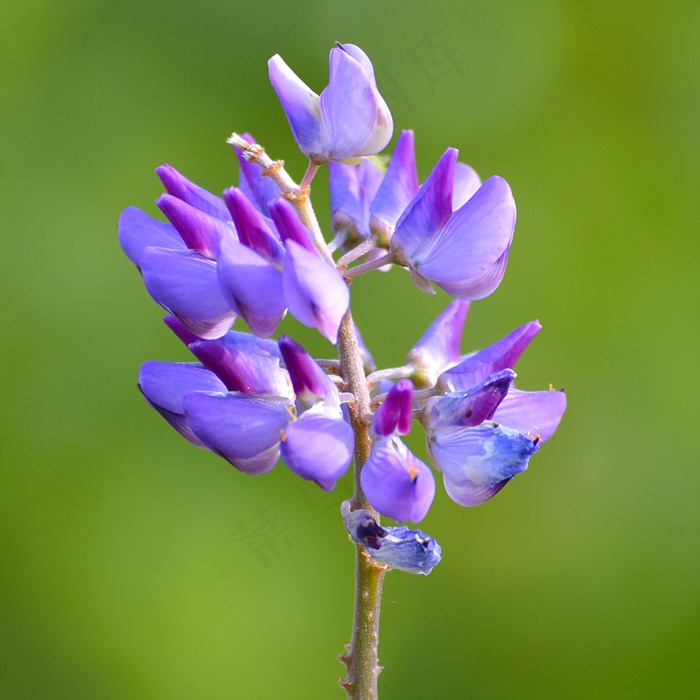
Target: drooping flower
x=177, y=259
x=480, y=447
x=395, y=481
x=314, y=291
x=464, y=251
x=318, y=446
x=399, y=547
x=349, y=120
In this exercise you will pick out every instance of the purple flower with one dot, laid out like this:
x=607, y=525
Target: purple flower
x=395, y=481
x=315, y=292
x=177, y=259
x=478, y=366
x=364, y=202
x=464, y=251
x=349, y=120
x=319, y=445
x=481, y=437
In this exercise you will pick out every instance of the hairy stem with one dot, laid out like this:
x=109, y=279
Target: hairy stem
x=361, y=659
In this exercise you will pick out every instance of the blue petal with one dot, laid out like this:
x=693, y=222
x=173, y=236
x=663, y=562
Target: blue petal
x=179, y=186
x=428, y=212
x=164, y=384
x=355, y=120
x=477, y=461
x=399, y=186
x=473, y=406
x=408, y=550
x=439, y=346
x=395, y=414
x=242, y=366
x=467, y=182
x=475, y=237
x=199, y=230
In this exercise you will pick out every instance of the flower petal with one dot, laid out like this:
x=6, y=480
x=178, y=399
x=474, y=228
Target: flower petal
x=179, y=186
x=245, y=430
x=411, y=551
x=315, y=292
x=477, y=367
x=439, y=346
x=241, y=367
x=289, y=224
x=310, y=382
x=395, y=414
x=163, y=385
x=253, y=230
x=138, y=231
x=474, y=238
x=186, y=284
x=318, y=448
x=200, y=231
x=471, y=407
x=476, y=461
x=300, y=104
x=533, y=413
x=355, y=120
x=252, y=286
x=428, y=212
x=481, y=285
x=396, y=482
x=467, y=182
x=398, y=188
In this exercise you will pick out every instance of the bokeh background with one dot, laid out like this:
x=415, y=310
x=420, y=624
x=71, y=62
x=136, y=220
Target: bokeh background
x=133, y=565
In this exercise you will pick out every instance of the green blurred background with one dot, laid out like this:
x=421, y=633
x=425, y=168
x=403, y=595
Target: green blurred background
x=133, y=565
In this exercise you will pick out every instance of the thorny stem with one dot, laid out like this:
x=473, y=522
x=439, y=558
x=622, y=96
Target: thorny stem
x=361, y=659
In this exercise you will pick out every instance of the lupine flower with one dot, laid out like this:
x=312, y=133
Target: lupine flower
x=464, y=252
x=177, y=259
x=478, y=366
x=349, y=120
x=365, y=202
x=395, y=481
x=399, y=547
x=480, y=447
x=319, y=445
x=315, y=292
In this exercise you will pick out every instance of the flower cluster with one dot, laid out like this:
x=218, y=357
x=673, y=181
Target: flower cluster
x=256, y=253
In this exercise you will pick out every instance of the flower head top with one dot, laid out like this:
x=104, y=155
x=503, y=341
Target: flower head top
x=349, y=120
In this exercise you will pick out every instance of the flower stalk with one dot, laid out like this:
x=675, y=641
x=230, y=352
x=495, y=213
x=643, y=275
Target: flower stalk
x=361, y=658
